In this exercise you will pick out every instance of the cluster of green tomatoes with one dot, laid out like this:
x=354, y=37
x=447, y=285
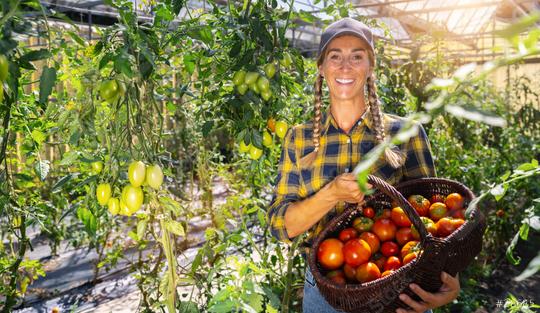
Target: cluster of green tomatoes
x=132, y=196
x=279, y=128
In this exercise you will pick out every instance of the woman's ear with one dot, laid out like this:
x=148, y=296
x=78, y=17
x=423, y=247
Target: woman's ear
x=320, y=70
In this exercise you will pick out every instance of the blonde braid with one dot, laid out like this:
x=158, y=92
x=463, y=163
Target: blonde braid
x=394, y=157
x=308, y=159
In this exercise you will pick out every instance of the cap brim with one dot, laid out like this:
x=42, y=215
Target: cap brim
x=346, y=32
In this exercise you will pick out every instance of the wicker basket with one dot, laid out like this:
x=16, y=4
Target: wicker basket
x=451, y=254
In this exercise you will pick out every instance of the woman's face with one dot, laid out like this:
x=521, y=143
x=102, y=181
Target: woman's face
x=346, y=67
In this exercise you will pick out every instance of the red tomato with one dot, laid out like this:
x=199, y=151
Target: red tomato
x=386, y=273
x=458, y=222
x=437, y=211
x=438, y=198
x=404, y=235
x=356, y=251
x=386, y=213
x=372, y=241
x=409, y=257
x=367, y=272
x=350, y=272
x=384, y=229
x=389, y=248
x=368, y=212
x=454, y=201
x=337, y=276
x=430, y=226
x=379, y=260
x=362, y=224
x=458, y=214
x=392, y=263
x=347, y=234
x=411, y=246
x=420, y=204
x=400, y=217
x=445, y=226
x=330, y=253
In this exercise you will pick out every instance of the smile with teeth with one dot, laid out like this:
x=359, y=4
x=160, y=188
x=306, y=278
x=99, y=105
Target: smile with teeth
x=344, y=81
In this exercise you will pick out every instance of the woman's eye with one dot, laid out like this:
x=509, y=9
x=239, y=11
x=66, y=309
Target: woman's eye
x=357, y=57
x=334, y=57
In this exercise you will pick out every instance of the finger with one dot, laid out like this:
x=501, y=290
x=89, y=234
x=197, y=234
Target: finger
x=424, y=295
x=416, y=306
x=405, y=311
x=451, y=282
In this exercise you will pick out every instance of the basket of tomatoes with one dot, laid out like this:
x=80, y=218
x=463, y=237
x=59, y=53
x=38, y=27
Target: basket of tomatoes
x=370, y=253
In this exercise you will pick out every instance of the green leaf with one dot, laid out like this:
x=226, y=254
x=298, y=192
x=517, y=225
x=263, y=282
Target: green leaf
x=525, y=167
x=38, y=136
x=61, y=182
x=256, y=139
x=76, y=38
x=475, y=114
x=522, y=25
x=461, y=73
x=46, y=83
x=36, y=55
x=42, y=169
x=175, y=227
x=510, y=251
x=189, y=63
x=69, y=158
x=207, y=127
x=177, y=6
x=122, y=65
x=524, y=231
x=141, y=228
x=105, y=60
x=499, y=191
x=531, y=269
x=88, y=220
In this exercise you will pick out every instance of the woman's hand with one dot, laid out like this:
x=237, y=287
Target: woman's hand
x=345, y=188
x=448, y=292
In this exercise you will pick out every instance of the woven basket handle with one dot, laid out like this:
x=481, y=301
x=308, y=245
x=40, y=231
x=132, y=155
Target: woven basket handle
x=390, y=191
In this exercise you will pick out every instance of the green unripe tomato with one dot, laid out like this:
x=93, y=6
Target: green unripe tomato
x=154, y=176
x=242, y=89
x=108, y=90
x=254, y=88
x=1, y=92
x=287, y=59
x=281, y=129
x=243, y=147
x=136, y=173
x=263, y=83
x=133, y=198
x=238, y=77
x=266, y=95
x=103, y=193
x=4, y=68
x=270, y=70
x=267, y=139
x=97, y=167
x=251, y=78
x=255, y=153
x=113, y=205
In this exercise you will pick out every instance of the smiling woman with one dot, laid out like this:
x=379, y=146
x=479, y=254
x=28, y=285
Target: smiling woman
x=314, y=180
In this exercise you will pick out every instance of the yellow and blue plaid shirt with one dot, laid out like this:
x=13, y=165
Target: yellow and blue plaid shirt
x=338, y=153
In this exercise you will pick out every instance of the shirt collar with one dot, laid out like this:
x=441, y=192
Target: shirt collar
x=328, y=120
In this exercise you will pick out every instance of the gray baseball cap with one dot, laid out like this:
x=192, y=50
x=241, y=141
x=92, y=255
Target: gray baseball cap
x=346, y=26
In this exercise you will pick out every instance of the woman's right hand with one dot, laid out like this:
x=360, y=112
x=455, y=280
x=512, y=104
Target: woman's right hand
x=345, y=188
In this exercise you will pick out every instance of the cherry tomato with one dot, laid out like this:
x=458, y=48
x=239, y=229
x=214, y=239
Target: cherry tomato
x=281, y=129
x=243, y=147
x=113, y=205
x=420, y=204
x=372, y=240
x=409, y=257
x=392, y=263
x=430, y=226
x=379, y=260
x=263, y=83
x=136, y=173
x=238, y=78
x=404, y=235
x=367, y=272
x=362, y=224
x=409, y=247
x=255, y=88
x=255, y=153
x=454, y=201
x=348, y=234
x=356, y=251
x=103, y=193
x=368, y=212
x=437, y=211
x=458, y=214
x=438, y=198
x=287, y=59
x=97, y=167
x=499, y=213
x=271, y=124
x=154, y=176
x=389, y=248
x=386, y=213
x=267, y=139
x=133, y=197
x=386, y=273
x=457, y=223
x=445, y=226
x=266, y=95
x=108, y=90
x=384, y=229
x=270, y=70
x=330, y=254
x=242, y=89
x=251, y=78
x=337, y=276
x=399, y=217
x=350, y=272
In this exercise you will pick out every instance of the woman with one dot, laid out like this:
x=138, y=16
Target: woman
x=314, y=179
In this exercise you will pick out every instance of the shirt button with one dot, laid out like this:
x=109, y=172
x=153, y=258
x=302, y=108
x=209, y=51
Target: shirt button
x=347, y=170
x=348, y=140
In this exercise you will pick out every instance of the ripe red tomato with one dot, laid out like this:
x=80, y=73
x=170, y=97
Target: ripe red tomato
x=389, y=248
x=454, y=201
x=386, y=273
x=420, y=204
x=430, y=226
x=404, y=235
x=445, y=226
x=368, y=212
x=409, y=247
x=458, y=214
x=400, y=217
x=386, y=213
x=392, y=263
x=499, y=213
x=372, y=241
x=347, y=234
x=457, y=223
x=362, y=224
x=379, y=260
x=356, y=251
x=367, y=272
x=350, y=272
x=437, y=211
x=384, y=229
x=438, y=198
x=337, y=276
x=330, y=253
x=409, y=257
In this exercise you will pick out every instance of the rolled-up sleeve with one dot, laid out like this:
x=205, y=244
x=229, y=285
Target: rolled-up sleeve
x=419, y=157
x=286, y=188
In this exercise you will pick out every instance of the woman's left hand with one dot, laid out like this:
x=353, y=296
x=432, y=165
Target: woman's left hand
x=448, y=292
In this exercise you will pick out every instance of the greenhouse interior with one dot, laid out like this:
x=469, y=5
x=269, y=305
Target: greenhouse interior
x=221, y=156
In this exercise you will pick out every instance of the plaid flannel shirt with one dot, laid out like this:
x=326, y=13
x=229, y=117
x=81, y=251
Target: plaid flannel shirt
x=338, y=153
